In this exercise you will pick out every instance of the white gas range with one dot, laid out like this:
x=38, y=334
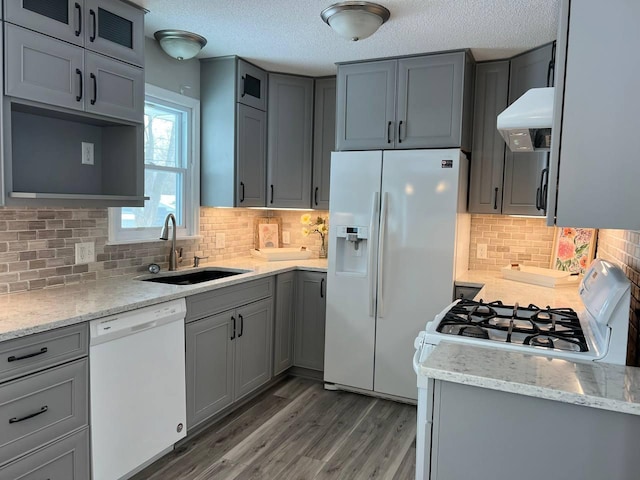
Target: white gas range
x=597, y=333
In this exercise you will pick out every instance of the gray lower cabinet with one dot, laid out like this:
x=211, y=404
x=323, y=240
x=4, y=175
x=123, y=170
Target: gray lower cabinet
x=324, y=140
x=66, y=459
x=228, y=355
x=310, y=320
x=43, y=407
x=465, y=417
x=290, y=131
x=415, y=102
x=502, y=181
x=283, y=325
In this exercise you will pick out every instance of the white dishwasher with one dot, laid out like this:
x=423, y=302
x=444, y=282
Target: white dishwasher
x=138, y=394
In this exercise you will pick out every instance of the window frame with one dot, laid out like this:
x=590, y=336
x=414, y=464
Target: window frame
x=191, y=199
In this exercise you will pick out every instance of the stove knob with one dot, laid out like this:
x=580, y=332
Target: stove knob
x=419, y=341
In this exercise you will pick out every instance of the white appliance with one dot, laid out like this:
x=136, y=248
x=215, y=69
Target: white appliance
x=398, y=231
x=526, y=124
x=138, y=393
x=598, y=333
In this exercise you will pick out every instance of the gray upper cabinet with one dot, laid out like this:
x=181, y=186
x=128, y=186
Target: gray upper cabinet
x=43, y=69
x=290, y=130
x=503, y=181
x=310, y=320
x=524, y=175
x=251, y=89
x=430, y=101
x=416, y=102
x=116, y=29
x=62, y=19
x=324, y=140
x=283, y=322
x=365, y=110
x=110, y=27
x=487, y=151
x=115, y=89
x=234, y=135
x=251, y=148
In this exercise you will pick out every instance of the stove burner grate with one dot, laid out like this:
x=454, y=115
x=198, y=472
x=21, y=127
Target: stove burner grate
x=474, y=331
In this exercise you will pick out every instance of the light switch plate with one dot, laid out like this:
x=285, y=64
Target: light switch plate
x=286, y=238
x=87, y=153
x=481, y=253
x=85, y=252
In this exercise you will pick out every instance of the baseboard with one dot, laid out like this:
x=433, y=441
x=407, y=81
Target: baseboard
x=369, y=393
x=306, y=373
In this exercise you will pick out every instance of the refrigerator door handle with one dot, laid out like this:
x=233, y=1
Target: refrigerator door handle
x=383, y=228
x=375, y=205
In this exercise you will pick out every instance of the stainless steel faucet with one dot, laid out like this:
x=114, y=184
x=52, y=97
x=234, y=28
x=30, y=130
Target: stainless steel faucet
x=174, y=256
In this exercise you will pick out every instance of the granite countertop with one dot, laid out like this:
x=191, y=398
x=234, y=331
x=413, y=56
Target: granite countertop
x=41, y=310
x=593, y=384
x=509, y=291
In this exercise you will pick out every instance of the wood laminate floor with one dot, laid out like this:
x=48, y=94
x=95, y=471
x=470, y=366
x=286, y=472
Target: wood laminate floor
x=299, y=431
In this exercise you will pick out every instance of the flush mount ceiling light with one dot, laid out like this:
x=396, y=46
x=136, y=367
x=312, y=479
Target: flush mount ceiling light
x=355, y=20
x=179, y=44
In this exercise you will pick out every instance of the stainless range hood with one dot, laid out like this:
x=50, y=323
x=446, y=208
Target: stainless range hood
x=526, y=124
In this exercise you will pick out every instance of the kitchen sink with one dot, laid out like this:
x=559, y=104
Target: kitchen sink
x=191, y=278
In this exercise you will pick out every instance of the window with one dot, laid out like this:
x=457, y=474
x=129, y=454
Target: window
x=171, y=173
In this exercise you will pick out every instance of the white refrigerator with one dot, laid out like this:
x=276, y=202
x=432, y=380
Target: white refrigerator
x=399, y=233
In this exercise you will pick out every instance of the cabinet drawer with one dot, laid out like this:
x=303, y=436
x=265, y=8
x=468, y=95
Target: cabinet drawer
x=67, y=459
x=26, y=355
x=209, y=303
x=42, y=407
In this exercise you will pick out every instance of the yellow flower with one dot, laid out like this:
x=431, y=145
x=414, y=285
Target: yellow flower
x=323, y=229
x=306, y=219
x=305, y=232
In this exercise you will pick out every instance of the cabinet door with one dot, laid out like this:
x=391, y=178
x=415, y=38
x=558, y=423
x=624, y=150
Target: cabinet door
x=365, y=118
x=253, y=347
x=290, y=128
x=116, y=29
x=324, y=141
x=251, y=151
x=43, y=69
x=59, y=18
x=114, y=88
x=251, y=86
x=283, y=324
x=67, y=459
x=209, y=366
x=487, y=154
x=430, y=101
x=310, y=320
x=523, y=170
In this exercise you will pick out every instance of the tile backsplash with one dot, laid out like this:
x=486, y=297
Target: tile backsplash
x=37, y=245
x=527, y=241
x=623, y=248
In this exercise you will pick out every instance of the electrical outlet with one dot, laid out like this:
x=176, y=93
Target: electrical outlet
x=87, y=153
x=220, y=241
x=286, y=238
x=85, y=252
x=481, y=253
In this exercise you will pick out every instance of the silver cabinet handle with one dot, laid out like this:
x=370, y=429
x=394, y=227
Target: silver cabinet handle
x=383, y=229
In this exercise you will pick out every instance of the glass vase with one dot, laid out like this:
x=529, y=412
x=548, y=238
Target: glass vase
x=323, y=250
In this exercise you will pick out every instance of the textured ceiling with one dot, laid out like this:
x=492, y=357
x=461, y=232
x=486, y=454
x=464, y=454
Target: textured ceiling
x=289, y=35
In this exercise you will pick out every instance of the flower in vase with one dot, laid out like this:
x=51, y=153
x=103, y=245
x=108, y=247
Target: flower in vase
x=306, y=219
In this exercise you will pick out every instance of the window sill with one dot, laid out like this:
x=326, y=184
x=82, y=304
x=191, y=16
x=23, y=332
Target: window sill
x=150, y=240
